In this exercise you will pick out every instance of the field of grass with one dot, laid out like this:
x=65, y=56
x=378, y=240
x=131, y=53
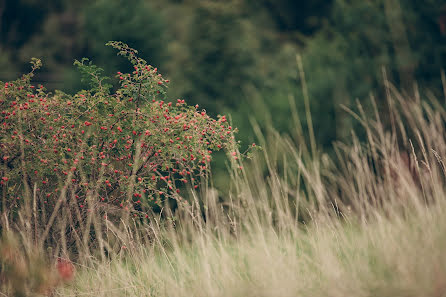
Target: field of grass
x=386, y=257
x=296, y=223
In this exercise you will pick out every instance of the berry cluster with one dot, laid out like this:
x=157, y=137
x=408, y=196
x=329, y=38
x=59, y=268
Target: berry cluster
x=130, y=148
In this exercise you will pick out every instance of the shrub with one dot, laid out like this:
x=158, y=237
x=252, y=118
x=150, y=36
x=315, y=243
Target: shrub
x=101, y=151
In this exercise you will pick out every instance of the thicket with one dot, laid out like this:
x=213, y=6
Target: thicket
x=108, y=152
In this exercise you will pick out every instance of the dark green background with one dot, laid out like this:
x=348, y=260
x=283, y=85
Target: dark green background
x=238, y=57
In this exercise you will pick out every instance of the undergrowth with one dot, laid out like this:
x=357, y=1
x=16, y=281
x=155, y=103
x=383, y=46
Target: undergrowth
x=292, y=221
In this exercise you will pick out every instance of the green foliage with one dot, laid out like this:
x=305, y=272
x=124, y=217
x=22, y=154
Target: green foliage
x=238, y=56
x=134, y=22
x=119, y=153
x=347, y=59
x=216, y=56
x=92, y=75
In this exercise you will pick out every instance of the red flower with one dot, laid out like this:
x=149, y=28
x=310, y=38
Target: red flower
x=65, y=269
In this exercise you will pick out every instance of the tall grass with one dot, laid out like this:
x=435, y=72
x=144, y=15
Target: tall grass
x=295, y=222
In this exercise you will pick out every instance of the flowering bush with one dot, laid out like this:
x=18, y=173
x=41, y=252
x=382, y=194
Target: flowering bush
x=126, y=149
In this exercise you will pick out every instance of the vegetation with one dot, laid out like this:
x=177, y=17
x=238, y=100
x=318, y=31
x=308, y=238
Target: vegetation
x=67, y=158
x=369, y=222
x=237, y=57
x=371, y=226
x=24, y=271
x=113, y=186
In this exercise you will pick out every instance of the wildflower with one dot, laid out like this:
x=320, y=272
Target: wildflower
x=65, y=269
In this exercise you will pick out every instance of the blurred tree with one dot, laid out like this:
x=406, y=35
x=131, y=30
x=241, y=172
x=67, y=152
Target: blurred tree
x=19, y=21
x=60, y=31
x=216, y=57
x=59, y=42
x=295, y=17
x=345, y=60
x=239, y=55
x=134, y=22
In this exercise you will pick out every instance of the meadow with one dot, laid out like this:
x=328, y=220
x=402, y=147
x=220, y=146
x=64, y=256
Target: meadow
x=294, y=220
x=372, y=226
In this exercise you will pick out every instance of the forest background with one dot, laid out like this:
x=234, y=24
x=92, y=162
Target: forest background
x=241, y=57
